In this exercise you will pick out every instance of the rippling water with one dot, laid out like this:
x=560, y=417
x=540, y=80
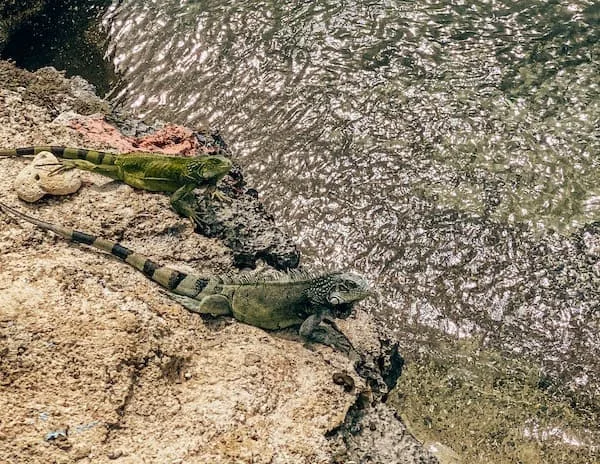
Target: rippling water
x=449, y=150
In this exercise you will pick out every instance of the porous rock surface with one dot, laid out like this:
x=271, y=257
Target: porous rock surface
x=243, y=225
x=97, y=365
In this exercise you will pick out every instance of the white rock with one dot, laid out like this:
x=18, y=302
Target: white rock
x=35, y=181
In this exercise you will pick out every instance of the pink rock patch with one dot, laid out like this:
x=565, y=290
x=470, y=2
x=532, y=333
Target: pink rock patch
x=99, y=132
x=171, y=139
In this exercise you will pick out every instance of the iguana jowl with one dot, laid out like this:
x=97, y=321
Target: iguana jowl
x=148, y=171
x=274, y=302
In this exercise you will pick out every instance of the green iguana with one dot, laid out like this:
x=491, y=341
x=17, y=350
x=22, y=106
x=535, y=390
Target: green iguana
x=274, y=301
x=148, y=171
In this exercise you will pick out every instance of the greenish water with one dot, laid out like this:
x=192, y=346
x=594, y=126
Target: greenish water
x=489, y=409
x=449, y=150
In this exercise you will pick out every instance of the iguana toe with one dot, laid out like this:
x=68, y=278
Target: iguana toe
x=213, y=193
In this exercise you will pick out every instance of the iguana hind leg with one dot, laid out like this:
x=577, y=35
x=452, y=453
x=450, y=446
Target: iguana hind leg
x=109, y=170
x=215, y=305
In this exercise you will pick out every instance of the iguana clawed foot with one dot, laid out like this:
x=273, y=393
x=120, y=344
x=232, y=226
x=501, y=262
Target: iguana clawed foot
x=330, y=335
x=213, y=193
x=59, y=168
x=197, y=220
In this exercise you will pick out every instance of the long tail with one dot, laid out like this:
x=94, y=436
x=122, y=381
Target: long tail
x=93, y=156
x=178, y=282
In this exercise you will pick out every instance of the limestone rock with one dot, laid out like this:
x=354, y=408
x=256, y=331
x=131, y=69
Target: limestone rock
x=36, y=179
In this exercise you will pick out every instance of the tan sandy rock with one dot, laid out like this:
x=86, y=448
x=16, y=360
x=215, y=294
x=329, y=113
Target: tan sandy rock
x=93, y=348
x=95, y=362
x=37, y=179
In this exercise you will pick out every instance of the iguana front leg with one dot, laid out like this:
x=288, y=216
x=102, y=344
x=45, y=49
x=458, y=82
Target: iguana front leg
x=330, y=336
x=180, y=203
x=310, y=324
x=214, y=193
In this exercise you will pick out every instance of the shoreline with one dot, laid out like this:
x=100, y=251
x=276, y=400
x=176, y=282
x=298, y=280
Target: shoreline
x=99, y=365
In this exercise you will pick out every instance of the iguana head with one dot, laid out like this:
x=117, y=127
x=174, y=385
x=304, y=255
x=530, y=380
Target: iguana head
x=208, y=168
x=339, y=291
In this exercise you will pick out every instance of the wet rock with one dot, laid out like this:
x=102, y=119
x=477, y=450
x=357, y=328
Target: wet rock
x=245, y=226
x=376, y=434
x=372, y=430
x=38, y=179
x=242, y=223
x=251, y=233
x=380, y=362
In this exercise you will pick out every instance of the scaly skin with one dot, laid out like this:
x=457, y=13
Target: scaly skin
x=148, y=171
x=274, y=301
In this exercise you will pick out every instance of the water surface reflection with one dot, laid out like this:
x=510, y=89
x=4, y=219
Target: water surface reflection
x=448, y=150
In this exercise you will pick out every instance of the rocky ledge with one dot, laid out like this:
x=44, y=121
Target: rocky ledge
x=97, y=365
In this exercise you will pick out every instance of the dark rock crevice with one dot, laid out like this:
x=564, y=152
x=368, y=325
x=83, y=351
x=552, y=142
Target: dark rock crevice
x=372, y=430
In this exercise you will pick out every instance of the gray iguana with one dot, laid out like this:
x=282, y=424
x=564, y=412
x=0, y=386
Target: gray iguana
x=275, y=301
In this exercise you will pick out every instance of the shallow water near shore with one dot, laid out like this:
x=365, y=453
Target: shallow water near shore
x=446, y=150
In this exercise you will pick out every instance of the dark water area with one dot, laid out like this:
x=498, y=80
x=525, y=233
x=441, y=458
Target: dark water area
x=449, y=151
x=64, y=34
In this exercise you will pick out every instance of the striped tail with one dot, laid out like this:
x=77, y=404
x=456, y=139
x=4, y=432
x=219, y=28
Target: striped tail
x=178, y=282
x=93, y=156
